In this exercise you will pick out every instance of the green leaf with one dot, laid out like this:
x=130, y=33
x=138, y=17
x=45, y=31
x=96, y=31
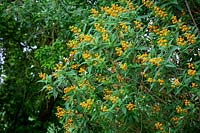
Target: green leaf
x=171, y=2
x=124, y=110
x=170, y=65
x=55, y=93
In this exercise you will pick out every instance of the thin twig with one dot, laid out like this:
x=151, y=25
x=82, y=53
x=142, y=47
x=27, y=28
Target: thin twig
x=191, y=14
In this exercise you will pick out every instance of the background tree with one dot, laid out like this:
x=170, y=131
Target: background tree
x=26, y=26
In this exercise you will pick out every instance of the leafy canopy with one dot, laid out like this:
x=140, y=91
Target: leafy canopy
x=132, y=67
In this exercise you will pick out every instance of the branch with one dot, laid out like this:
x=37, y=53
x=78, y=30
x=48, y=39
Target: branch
x=195, y=24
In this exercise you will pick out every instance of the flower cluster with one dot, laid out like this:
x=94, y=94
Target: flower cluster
x=87, y=104
x=73, y=44
x=42, y=76
x=69, y=124
x=175, y=83
x=162, y=42
x=119, y=51
x=60, y=112
x=86, y=55
x=163, y=32
x=179, y=109
x=175, y=119
x=58, y=67
x=130, y=5
x=130, y=106
x=174, y=20
x=124, y=66
x=180, y=41
x=159, y=125
x=159, y=12
x=156, y=108
x=191, y=69
x=186, y=102
x=88, y=38
x=194, y=85
x=138, y=24
x=49, y=88
x=102, y=30
x=94, y=12
x=153, y=28
x=147, y=3
x=68, y=89
x=184, y=28
x=104, y=108
x=124, y=26
x=75, y=30
x=114, y=10
x=161, y=81
x=142, y=58
x=113, y=99
x=156, y=61
x=190, y=37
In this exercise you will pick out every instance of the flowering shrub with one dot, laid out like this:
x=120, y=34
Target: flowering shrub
x=129, y=72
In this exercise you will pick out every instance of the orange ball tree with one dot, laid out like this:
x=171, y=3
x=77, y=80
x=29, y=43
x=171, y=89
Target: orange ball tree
x=131, y=68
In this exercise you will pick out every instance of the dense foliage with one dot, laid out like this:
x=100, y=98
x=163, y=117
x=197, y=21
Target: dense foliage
x=131, y=67
x=135, y=68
